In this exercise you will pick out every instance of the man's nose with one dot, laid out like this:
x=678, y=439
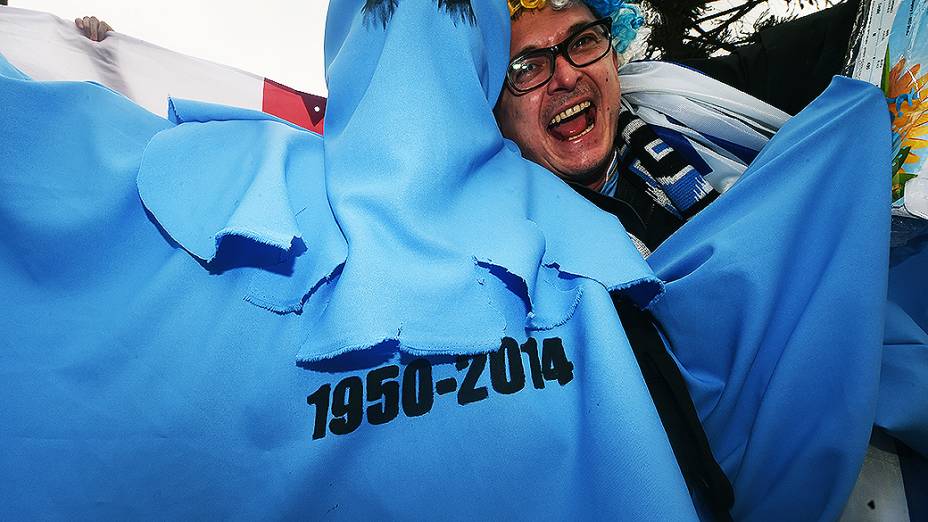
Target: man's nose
x=565, y=76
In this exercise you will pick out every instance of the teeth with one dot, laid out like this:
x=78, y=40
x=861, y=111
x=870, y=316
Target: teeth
x=570, y=112
x=585, y=131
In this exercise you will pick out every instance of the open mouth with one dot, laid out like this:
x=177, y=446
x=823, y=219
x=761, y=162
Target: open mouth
x=573, y=122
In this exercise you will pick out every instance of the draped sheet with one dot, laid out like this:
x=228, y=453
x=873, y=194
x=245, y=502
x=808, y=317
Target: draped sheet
x=222, y=315
x=787, y=280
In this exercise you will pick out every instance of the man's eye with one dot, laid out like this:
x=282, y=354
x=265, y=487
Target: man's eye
x=525, y=71
x=585, y=40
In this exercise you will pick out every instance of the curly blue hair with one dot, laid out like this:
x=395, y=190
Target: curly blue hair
x=626, y=20
x=626, y=17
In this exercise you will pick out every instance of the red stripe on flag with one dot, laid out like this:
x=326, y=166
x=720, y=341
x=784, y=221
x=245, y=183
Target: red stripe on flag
x=305, y=110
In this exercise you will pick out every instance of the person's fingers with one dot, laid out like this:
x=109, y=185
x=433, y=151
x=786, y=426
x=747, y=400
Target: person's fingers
x=84, y=25
x=94, y=29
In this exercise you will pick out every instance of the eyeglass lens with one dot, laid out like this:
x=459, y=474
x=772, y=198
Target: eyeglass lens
x=581, y=49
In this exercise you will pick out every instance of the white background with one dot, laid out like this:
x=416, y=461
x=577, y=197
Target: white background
x=277, y=39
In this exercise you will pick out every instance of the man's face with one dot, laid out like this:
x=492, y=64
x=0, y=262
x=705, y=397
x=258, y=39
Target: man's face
x=567, y=148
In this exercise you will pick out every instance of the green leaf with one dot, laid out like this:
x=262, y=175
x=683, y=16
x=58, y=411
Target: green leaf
x=899, y=160
x=899, y=181
x=884, y=82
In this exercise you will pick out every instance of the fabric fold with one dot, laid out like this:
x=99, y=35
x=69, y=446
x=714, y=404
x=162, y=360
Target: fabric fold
x=376, y=243
x=224, y=171
x=903, y=400
x=786, y=277
x=501, y=275
x=135, y=261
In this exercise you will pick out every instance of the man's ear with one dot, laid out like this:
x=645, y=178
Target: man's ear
x=615, y=58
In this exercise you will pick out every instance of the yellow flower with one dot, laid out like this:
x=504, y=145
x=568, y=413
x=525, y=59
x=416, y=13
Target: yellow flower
x=905, y=95
x=516, y=5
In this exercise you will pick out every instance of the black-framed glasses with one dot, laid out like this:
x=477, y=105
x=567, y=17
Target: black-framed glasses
x=532, y=69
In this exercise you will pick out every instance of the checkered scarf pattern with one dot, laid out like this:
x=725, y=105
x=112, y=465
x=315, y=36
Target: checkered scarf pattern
x=672, y=182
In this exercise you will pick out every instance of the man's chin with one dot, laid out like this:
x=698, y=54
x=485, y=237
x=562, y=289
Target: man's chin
x=582, y=172
x=585, y=178
x=579, y=159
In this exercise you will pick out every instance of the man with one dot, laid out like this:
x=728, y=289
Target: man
x=567, y=124
x=561, y=105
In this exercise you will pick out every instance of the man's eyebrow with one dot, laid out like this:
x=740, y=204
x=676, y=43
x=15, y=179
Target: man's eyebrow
x=571, y=30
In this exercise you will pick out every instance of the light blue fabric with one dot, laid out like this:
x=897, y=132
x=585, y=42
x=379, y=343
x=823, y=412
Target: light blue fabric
x=444, y=221
x=903, y=405
x=183, y=297
x=789, y=281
